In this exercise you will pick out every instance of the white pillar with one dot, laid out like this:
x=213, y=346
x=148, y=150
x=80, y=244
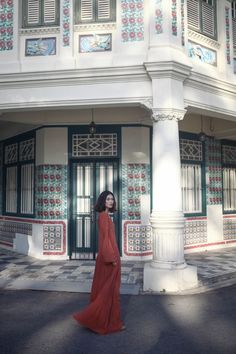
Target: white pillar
x=168, y=271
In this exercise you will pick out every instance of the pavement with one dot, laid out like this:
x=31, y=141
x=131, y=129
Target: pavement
x=216, y=269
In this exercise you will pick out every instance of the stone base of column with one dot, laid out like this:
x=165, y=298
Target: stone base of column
x=175, y=278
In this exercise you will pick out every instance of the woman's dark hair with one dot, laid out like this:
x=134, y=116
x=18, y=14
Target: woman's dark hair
x=100, y=204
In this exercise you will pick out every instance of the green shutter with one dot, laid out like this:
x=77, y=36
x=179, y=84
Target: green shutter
x=87, y=11
x=32, y=13
x=193, y=13
x=49, y=11
x=103, y=10
x=208, y=20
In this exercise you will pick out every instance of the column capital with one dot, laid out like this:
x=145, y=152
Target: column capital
x=162, y=114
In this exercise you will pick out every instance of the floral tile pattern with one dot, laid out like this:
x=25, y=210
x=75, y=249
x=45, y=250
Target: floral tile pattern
x=158, y=17
x=182, y=23
x=227, y=31
x=6, y=24
x=51, y=192
x=174, y=17
x=132, y=16
x=66, y=22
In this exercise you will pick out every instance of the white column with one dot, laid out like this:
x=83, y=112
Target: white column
x=168, y=271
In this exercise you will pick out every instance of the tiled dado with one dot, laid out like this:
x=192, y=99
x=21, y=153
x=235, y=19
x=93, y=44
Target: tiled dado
x=8, y=230
x=53, y=233
x=51, y=192
x=195, y=231
x=137, y=239
x=229, y=227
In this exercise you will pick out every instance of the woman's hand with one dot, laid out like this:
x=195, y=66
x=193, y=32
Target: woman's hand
x=114, y=264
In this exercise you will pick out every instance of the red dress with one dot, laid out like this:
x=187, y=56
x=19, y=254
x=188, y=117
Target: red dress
x=102, y=315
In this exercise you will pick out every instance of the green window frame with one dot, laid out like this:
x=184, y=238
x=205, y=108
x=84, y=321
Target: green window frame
x=192, y=175
x=202, y=17
x=40, y=13
x=18, y=176
x=90, y=11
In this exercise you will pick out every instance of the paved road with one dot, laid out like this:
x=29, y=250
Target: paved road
x=40, y=322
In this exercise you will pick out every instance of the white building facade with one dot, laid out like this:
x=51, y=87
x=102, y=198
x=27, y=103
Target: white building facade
x=157, y=80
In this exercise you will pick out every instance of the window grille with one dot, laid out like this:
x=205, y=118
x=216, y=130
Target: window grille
x=229, y=177
x=191, y=175
x=202, y=16
x=95, y=11
x=11, y=189
x=19, y=177
x=40, y=13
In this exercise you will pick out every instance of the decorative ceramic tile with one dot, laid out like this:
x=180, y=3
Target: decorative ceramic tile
x=137, y=239
x=195, y=231
x=6, y=24
x=51, y=192
x=234, y=65
x=182, y=23
x=213, y=172
x=8, y=230
x=52, y=237
x=132, y=17
x=174, y=17
x=66, y=22
x=95, y=43
x=135, y=182
x=227, y=33
x=158, y=17
x=199, y=52
x=40, y=46
x=229, y=228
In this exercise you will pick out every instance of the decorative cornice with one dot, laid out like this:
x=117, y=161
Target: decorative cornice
x=199, y=38
x=90, y=76
x=85, y=103
x=168, y=69
x=210, y=84
x=95, y=27
x=37, y=31
x=147, y=103
x=217, y=111
x=161, y=114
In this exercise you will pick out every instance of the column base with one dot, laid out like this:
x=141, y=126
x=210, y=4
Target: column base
x=169, y=280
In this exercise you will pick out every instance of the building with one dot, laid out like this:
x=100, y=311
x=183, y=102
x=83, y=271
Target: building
x=135, y=96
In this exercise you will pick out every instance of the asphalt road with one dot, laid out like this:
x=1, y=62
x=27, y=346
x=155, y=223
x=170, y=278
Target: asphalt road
x=40, y=322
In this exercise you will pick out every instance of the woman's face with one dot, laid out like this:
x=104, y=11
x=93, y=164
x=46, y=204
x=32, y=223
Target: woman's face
x=109, y=202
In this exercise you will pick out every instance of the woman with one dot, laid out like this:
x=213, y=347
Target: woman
x=102, y=315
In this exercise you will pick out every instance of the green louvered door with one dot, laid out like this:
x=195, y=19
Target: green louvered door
x=89, y=179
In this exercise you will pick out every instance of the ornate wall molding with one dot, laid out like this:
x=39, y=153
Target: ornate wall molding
x=39, y=31
x=160, y=114
x=199, y=38
x=95, y=27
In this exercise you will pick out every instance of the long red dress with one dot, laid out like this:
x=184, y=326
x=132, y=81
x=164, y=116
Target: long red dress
x=102, y=315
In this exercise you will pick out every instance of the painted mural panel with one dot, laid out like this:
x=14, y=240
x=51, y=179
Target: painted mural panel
x=95, y=43
x=199, y=52
x=40, y=46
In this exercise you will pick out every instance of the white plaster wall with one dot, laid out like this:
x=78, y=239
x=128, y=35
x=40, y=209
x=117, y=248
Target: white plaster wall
x=135, y=145
x=52, y=146
x=214, y=223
